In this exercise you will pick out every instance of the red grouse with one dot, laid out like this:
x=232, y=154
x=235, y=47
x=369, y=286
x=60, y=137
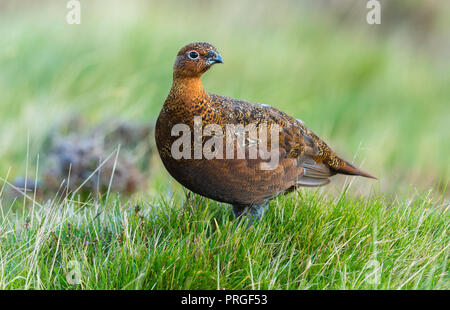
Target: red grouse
x=303, y=159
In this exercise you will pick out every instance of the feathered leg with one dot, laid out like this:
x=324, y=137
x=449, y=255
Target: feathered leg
x=250, y=213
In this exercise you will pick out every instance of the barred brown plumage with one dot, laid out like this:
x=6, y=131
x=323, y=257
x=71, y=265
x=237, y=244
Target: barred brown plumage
x=304, y=159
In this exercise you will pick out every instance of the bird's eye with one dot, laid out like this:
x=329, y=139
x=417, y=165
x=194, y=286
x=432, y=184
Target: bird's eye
x=193, y=55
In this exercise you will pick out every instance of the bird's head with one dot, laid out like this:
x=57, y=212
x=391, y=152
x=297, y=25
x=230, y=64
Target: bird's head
x=195, y=59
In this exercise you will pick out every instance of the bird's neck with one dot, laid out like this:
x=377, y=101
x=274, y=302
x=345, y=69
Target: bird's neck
x=188, y=88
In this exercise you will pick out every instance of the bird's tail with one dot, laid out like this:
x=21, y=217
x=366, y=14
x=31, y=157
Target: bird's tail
x=350, y=169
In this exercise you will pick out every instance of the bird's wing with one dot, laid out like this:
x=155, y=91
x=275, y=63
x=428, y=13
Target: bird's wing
x=295, y=139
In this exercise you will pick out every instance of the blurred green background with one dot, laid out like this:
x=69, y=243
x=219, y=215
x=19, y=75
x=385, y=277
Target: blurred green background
x=378, y=94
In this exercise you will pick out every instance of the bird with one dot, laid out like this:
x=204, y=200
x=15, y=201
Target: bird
x=304, y=160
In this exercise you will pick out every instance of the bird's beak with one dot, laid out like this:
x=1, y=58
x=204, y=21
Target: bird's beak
x=215, y=59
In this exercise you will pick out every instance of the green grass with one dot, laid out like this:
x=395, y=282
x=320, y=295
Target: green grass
x=375, y=98
x=305, y=241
